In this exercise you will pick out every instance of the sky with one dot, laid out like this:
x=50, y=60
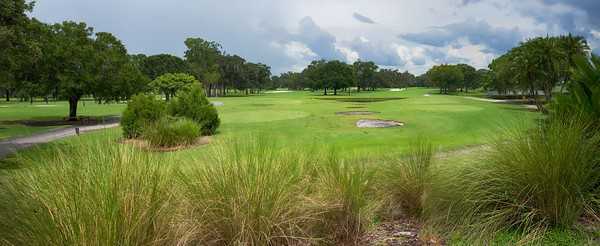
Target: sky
x=410, y=35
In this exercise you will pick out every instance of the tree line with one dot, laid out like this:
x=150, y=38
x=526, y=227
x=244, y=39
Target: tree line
x=452, y=78
x=333, y=76
x=68, y=61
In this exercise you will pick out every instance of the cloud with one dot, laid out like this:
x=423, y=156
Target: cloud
x=362, y=18
x=381, y=53
x=495, y=39
x=467, y=2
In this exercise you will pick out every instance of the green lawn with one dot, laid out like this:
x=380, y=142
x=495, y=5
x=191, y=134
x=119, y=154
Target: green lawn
x=15, y=111
x=304, y=118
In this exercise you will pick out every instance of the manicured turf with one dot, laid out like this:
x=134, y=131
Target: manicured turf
x=304, y=118
x=16, y=111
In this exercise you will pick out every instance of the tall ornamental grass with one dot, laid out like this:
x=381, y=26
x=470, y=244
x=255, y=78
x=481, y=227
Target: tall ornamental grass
x=250, y=194
x=97, y=194
x=404, y=181
x=543, y=178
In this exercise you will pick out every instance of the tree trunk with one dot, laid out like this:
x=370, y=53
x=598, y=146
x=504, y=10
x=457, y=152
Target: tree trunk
x=7, y=95
x=335, y=91
x=73, y=100
x=325, y=93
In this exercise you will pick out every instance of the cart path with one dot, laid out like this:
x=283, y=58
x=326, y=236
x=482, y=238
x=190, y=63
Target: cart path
x=11, y=146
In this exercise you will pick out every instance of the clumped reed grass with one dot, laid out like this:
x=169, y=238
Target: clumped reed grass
x=346, y=189
x=404, y=181
x=545, y=178
x=171, y=132
x=97, y=194
x=250, y=194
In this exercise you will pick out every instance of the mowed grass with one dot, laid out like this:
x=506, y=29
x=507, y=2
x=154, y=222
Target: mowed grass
x=18, y=111
x=449, y=122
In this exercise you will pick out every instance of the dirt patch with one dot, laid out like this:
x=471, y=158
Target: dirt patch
x=357, y=113
x=376, y=123
x=397, y=232
x=143, y=144
x=360, y=99
x=81, y=121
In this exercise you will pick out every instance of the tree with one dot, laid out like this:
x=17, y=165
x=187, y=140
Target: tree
x=157, y=65
x=446, y=77
x=203, y=57
x=13, y=42
x=336, y=75
x=75, y=62
x=470, y=77
x=111, y=58
x=365, y=74
x=170, y=83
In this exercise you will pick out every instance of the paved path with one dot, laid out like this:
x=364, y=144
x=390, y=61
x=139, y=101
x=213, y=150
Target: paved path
x=13, y=145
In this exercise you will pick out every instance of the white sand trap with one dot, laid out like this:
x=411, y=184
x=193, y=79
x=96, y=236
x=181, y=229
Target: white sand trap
x=372, y=123
x=427, y=95
x=44, y=105
x=272, y=92
x=398, y=89
x=217, y=104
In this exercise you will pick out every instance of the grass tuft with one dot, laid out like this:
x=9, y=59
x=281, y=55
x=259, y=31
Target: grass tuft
x=110, y=195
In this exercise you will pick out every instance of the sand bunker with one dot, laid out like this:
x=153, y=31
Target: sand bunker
x=357, y=113
x=216, y=104
x=374, y=123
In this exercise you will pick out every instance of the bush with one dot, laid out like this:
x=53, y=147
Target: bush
x=96, y=194
x=141, y=110
x=403, y=182
x=250, y=194
x=193, y=104
x=547, y=178
x=170, y=132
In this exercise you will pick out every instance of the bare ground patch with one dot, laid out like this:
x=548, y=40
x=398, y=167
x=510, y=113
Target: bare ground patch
x=377, y=123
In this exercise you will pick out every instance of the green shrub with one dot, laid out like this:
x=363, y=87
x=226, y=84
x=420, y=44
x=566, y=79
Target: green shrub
x=545, y=178
x=96, y=194
x=250, y=194
x=170, y=132
x=141, y=110
x=193, y=104
x=403, y=182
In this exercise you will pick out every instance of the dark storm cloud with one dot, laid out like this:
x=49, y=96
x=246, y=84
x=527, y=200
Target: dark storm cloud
x=495, y=39
x=363, y=18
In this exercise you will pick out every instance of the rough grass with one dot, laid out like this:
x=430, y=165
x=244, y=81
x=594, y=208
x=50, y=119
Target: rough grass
x=172, y=132
x=534, y=182
x=97, y=194
x=404, y=181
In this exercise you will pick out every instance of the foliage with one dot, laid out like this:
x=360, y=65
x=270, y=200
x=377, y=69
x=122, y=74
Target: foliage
x=543, y=179
x=346, y=187
x=446, y=77
x=157, y=65
x=250, y=193
x=193, y=104
x=583, y=99
x=403, y=182
x=97, y=194
x=364, y=73
x=329, y=75
x=168, y=132
x=169, y=84
x=141, y=111
x=538, y=64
